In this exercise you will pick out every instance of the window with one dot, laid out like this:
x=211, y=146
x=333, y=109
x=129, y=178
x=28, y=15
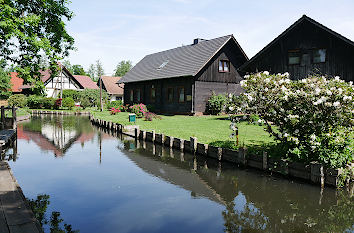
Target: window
x=181, y=94
x=319, y=56
x=224, y=66
x=163, y=65
x=138, y=96
x=294, y=57
x=170, y=94
x=131, y=96
x=305, y=59
x=152, y=93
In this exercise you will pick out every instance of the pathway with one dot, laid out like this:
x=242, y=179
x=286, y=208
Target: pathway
x=15, y=216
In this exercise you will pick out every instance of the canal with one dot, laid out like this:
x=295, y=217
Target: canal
x=98, y=182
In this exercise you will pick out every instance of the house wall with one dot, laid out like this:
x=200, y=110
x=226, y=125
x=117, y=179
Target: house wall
x=203, y=90
x=230, y=52
x=307, y=36
x=161, y=104
x=53, y=86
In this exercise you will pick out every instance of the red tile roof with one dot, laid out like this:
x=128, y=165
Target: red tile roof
x=16, y=82
x=86, y=82
x=111, y=86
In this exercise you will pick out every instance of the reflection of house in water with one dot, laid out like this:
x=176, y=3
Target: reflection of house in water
x=55, y=137
x=175, y=172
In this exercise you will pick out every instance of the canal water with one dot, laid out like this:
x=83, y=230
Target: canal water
x=98, y=182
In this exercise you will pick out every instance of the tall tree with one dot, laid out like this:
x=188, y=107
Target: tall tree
x=92, y=72
x=122, y=68
x=99, y=69
x=30, y=28
x=5, y=85
x=68, y=66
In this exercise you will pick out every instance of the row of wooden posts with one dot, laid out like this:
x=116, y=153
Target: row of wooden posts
x=313, y=172
x=7, y=122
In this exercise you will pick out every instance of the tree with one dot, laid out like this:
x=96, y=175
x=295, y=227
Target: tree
x=68, y=66
x=31, y=29
x=78, y=70
x=122, y=68
x=5, y=85
x=92, y=72
x=99, y=69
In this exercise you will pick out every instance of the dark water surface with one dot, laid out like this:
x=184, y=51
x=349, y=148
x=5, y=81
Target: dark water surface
x=100, y=183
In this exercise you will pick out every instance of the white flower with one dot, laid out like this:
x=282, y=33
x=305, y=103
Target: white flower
x=286, y=74
x=243, y=83
x=304, y=80
x=267, y=80
x=313, y=137
x=345, y=98
x=231, y=108
x=286, y=135
x=246, y=76
x=328, y=92
x=336, y=104
x=328, y=104
x=266, y=72
x=351, y=83
x=337, y=78
x=340, y=91
x=317, y=91
x=266, y=89
x=296, y=131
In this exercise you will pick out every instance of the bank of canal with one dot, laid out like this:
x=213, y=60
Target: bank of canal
x=101, y=183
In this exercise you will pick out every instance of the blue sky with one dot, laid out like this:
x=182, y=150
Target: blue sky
x=115, y=30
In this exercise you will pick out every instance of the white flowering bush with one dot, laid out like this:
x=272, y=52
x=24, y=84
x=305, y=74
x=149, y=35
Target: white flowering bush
x=313, y=117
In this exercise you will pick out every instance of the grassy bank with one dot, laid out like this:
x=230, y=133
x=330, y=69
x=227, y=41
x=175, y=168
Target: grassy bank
x=208, y=129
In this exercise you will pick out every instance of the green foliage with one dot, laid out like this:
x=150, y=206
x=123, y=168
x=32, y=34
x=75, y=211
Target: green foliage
x=5, y=85
x=48, y=103
x=78, y=70
x=114, y=104
x=122, y=68
x=216, y=104
x=30, y=30
x=18, y=100
x=75, y=95
x=85, y=103
x=34, y=101
x=93, y=96
x=68, y=103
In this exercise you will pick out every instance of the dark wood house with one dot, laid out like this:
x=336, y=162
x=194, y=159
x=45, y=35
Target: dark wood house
x=306, y=47
x=180, y=80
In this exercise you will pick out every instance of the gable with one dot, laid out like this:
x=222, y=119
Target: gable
x=179, y=62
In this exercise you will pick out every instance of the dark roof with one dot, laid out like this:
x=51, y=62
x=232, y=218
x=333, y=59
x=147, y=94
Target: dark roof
x=178, y=62
x=299, y=21
x=86, y=81
x=110, y=84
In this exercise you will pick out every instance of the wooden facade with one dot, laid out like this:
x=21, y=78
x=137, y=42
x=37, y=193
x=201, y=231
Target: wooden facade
x=189, y=94
x=306, y=48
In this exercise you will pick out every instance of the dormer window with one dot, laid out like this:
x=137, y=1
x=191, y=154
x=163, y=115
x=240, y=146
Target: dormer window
x=163, y=65
x=224, y=66
x=319, y=55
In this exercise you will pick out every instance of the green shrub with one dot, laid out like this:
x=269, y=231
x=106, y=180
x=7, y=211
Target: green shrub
x=18, y=100
x=48, y=102
x=75, y=95
x=216, y=104
x=93, y=96
x=34, y=101
x=85, y=103
x=114, y=104
x=151, y=107
x=68, y=103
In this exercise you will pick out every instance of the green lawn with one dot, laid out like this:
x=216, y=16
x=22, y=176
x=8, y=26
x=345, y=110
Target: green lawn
x=208, y=129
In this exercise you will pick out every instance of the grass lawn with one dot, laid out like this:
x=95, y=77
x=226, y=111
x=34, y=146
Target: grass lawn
x=212, y=130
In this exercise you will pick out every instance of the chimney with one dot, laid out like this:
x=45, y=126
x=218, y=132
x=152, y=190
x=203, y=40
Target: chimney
x=197, y=41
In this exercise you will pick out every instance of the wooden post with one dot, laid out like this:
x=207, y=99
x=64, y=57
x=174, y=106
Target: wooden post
x=153, y=136
x=14, y=124
x=265, y=161
x=194, y=142
x=2, y=117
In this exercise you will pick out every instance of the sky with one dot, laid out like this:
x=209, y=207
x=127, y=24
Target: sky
x=116, y=30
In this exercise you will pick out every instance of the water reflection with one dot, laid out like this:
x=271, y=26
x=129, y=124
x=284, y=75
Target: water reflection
x=250, y=201
x=39, y=207
x=253, y=201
